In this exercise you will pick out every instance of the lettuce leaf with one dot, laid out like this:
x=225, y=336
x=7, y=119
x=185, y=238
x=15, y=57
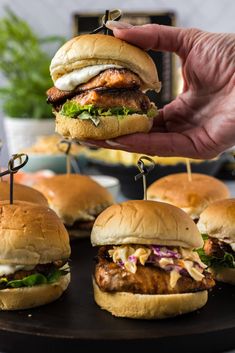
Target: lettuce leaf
x=152, y=112
x=90, y=112
x=34, y=279
x=28, y=281
x=227, y=260
x=72, y=109
x=88, y=116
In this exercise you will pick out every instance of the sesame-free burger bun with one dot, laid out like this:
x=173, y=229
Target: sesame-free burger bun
x=22, y=193
x=145, y=222
x=31, y=234
x=94, y=49
x=30, y=297
x=218, y=220
x=109, y=126
x=191, y=196
x=148, y=306
x=74, y=197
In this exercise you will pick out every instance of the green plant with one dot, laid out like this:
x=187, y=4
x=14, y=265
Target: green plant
x=25, y=65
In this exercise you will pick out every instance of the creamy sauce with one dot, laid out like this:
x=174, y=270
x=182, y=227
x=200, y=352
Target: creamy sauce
x=9, y=269
x=130, y=256
x=174, y=276
x=71, y=80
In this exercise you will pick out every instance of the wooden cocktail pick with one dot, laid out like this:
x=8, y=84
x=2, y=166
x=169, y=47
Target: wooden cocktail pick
x=144, y=171
x=113, y=15
x=16, y=162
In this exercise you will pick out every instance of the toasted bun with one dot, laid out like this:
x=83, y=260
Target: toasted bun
x=95, y=49
x=75, y=197
x=31, y=234
x=191, y=196
x=30, y=297
x=218, y=220
x=148, y=306
x=22, y=193
x=226, y=275
x=145, y=222
x=109, y=126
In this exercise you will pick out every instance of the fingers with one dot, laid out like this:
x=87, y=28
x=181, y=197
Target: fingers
x=156, y=144
x=151, y=36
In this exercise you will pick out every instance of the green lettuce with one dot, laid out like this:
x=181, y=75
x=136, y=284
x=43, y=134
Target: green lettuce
x=227, y=260
x=90, y=112
x=34, y=279
x=152, y=112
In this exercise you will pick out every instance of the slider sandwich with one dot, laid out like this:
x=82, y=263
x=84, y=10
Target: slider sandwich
x=146, y=265
x=191, y=196
x=77, y=200
x=99, y=88
x=34, y=252
x=217, y=225
x=22, y=193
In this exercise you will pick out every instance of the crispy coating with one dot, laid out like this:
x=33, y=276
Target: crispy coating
x=108, y=79
x=134, y=100
x=111, y=277
x=113, y=79
x=214, y=247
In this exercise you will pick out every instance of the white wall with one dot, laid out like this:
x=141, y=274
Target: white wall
x=54, y=16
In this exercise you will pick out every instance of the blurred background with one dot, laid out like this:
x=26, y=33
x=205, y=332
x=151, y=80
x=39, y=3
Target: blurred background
x=31, y=32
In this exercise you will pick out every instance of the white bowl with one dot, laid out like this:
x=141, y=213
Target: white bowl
x=110, y=183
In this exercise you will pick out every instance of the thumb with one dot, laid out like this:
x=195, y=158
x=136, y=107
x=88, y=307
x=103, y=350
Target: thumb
x=151, y=36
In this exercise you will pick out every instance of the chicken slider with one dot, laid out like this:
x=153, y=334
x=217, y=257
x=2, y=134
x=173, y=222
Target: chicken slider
x=34, y=256
x=99, y=85
x=191, y=196
x=22, y=193
x=146, y=265
x=217, y=224
x=77, y=200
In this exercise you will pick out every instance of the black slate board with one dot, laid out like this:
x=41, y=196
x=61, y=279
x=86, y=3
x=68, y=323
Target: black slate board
x=74, y=321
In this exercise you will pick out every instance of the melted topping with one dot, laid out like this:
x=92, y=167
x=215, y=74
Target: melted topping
x=70, y=81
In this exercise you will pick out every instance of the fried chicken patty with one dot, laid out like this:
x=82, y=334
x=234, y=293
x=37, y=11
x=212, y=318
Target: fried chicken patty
x=110, y=277
x=108, y=79
x=131, y=99
x=214, y=247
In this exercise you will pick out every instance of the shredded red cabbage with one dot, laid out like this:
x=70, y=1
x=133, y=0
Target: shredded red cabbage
x=132, y=258
x=161, y=251
x=120, y=263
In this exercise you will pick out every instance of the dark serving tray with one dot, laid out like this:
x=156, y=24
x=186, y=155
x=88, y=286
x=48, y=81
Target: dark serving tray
x=74, y=321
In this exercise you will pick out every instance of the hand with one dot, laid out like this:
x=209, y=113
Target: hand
x=200, y=122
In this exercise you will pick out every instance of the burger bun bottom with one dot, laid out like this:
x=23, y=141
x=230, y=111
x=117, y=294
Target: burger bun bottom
x=30, y=297
x=109, y=127
x=144, y=306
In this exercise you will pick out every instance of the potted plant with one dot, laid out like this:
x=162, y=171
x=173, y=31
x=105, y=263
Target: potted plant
x=24, y=66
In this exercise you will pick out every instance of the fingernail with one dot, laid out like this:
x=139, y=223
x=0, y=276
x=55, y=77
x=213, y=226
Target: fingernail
x=87, y=144
x=113, y=143
x=118, y=25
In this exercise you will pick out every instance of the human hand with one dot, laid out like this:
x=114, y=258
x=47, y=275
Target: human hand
x=200, y=122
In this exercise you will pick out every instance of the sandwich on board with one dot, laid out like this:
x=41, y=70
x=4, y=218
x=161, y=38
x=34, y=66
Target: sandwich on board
x=146, y=266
